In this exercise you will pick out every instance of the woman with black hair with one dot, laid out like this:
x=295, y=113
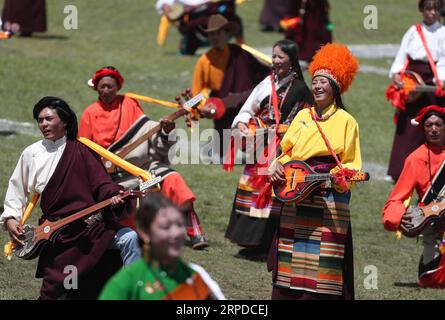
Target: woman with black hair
x=69, y=178
x=422, y=51
x=274, y=101
x=312, y=257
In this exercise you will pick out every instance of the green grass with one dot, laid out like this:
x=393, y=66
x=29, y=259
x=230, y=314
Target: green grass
x=123, y=34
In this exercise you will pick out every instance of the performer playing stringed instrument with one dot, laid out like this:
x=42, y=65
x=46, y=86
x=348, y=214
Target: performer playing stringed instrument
x=229, y=73
x=311, y=28
x=273, y=103
x=69, y=178
x=418, y=174
x=422, y=51
x=312, y=258
x=115, y=121
x=162, y=272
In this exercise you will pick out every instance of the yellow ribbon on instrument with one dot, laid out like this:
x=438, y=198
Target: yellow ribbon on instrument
x=257, y=53
x=406, y=204
x=163, y=30
x=127, y=166
x=9, y=246
x=151, y=100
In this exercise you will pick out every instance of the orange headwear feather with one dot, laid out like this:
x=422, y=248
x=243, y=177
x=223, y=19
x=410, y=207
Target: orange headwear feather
x=335, y=62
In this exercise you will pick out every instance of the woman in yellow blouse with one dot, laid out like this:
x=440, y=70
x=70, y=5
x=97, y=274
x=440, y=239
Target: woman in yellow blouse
x=312, y=258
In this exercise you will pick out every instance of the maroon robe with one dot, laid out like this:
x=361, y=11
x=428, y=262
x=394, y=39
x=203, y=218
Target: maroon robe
x=29, y=14
x=193, y=24
x=79, y=181
x=313, y=33
x=274, y=11
x=242, y=74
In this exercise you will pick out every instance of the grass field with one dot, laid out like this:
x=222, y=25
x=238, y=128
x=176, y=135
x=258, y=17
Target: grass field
x=123, y=34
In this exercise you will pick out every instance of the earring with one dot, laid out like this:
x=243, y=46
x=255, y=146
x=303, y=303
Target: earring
x=146, y=250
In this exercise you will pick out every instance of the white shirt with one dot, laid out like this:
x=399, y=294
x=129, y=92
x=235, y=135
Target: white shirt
x=161, y=3
x=212, y=284
x=412, y=46
x=31, y=175
x=252, y=105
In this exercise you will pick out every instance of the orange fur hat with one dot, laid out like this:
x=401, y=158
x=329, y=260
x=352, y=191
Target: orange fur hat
x=335, y=61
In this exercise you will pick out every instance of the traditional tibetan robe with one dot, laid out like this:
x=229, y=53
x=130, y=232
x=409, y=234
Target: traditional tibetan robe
x=118, y=126
x=78, y=182
x=274, y=11
x=313, y=254
x=407, y=137
x=105, y=124
x=248, y=226
x=30, y=15
x=419, y=170
x=315, y=31
x=415, y=176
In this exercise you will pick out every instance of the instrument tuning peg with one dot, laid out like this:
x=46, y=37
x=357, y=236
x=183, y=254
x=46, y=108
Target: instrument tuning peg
x=188, y=92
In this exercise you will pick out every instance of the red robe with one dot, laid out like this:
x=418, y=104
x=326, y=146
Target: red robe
x=416, y=175
x=100, y=122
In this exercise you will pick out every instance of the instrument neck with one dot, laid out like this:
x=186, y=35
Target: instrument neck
x=85, y=212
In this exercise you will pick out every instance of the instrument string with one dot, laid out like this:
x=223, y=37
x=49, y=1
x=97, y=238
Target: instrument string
x=433, y=192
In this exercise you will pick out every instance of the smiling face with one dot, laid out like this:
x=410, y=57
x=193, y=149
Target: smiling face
x=434, y=128
x=50, y=124
x=280, y=62
x=167, y=234
x=322, y=91
x=107, y=88
x=430, y=12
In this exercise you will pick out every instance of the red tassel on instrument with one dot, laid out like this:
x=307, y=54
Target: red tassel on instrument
x=265, y=197
x=396, y=96
x=229, y=161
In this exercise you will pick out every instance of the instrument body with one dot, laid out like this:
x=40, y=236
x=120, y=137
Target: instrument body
x=414, y=86
x=428, y=215
x=301, y=180
x=36, y=237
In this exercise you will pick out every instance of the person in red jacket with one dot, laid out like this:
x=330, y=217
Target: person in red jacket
x=114, y=121
x=418, y=174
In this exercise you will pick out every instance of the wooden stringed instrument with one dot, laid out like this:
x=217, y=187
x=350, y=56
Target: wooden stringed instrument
x=36, y=237
x=414, y=86
x=301, y=180
x=185, y=108
x=429, y=215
